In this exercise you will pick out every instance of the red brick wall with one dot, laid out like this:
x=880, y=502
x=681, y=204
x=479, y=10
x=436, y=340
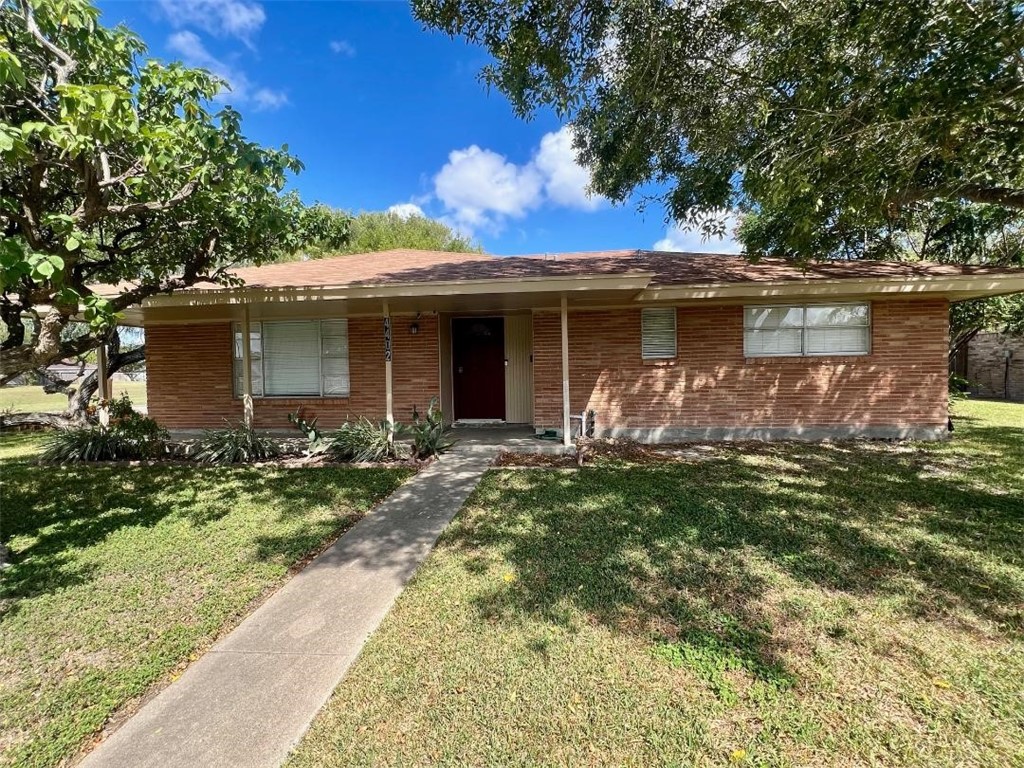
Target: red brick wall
x=189, y=376
x=710, y=383
x=416, y=366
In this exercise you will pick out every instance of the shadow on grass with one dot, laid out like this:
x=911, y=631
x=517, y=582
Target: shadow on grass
x=63, y=511
x=685, y=553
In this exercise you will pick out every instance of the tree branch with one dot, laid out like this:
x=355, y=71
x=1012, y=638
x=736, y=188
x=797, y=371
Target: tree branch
x=1007, y=196
x=154, y=206
x=61, y=71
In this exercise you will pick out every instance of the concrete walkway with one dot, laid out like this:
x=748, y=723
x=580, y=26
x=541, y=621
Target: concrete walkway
x=249, y=699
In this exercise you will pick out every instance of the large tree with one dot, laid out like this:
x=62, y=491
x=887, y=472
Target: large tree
x=115, y=170
x=384, y=230
x=369, y=231
x=832, y=116
x=946, y=232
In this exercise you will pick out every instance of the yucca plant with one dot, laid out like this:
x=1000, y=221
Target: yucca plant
x=129, y=436
x=366, y=440
x=75, y=444
x=235, y=444
x=430, y=436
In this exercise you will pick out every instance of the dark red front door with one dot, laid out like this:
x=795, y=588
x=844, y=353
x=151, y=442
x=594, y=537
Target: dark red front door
x=478, y=367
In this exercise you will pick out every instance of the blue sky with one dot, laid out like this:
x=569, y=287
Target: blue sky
x=384, y=113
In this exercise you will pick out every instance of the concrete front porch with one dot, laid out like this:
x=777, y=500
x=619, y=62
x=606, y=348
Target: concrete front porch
x=517, y=438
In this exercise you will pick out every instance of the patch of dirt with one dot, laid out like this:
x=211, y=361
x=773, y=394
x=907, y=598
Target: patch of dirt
x=533, y=460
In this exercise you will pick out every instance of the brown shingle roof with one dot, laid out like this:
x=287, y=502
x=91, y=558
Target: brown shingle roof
x=668, y=268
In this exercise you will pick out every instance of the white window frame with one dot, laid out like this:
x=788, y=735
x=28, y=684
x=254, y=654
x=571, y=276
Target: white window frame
x=257, y=326
x=649, y=312
x=804, y=328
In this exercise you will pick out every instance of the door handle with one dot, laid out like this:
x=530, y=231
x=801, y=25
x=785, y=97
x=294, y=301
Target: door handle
x=460, y=369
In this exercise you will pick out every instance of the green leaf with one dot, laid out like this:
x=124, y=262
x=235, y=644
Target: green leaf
x=7, y=139
x=72, y=243
x=11, y=70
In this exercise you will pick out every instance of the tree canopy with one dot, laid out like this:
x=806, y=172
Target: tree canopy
x=384, y=230
x=837, y=119
x=115, y=170
x=370, y=231
x=946, y=232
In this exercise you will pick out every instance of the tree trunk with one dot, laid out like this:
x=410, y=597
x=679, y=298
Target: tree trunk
x=960, y=339
x=78, y=400
x=35, y=419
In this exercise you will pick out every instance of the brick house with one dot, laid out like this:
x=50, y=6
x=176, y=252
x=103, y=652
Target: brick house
x=660, y=346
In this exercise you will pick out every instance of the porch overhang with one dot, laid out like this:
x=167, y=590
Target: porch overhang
x=508, y=294
x=631, y=288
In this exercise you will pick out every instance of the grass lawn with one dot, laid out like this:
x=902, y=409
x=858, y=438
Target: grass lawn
x=34, y=399
x=123, y=574
x=852, y=604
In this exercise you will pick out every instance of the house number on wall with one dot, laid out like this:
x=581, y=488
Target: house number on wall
x=387, y=339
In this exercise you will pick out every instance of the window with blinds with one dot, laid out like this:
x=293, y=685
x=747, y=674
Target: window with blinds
x=297, y=358
x=658, y=333
x=813, y=329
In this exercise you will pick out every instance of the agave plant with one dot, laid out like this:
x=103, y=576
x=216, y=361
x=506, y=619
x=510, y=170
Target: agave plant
x=430, y=436
x=316, y=441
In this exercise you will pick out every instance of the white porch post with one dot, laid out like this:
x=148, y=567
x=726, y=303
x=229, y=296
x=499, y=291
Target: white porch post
x=247, y=407
x=388, y=384
x=566, y=427
x=103, y=382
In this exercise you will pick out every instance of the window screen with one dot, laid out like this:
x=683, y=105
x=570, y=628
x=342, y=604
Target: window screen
x=658, y=333
x=838, y=329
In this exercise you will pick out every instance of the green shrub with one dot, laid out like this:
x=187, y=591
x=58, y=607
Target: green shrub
x=958, y=387
x=430, y=436
x=365, y=440
x=75, y=444
x=128, y=436
x=238, y=444
x=141, y=434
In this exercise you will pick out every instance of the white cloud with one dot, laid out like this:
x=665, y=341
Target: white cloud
x=224, y=18
x=565, y=181
x=242, y=91
x=191, y=48
x=480, y=188
x=406, y=210
x=269, y=99
x=343, y=48
x=677, y=238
